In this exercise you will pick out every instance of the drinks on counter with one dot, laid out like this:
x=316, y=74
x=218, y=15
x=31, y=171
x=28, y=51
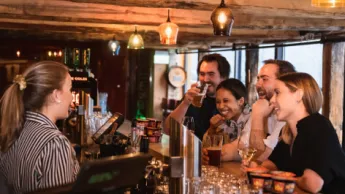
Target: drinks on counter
x=247, y=154
x=213, y=145
x=214, y=154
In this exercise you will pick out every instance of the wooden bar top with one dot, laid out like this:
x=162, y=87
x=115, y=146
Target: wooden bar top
x=161, y=151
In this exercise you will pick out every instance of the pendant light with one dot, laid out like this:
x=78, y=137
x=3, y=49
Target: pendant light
x=168, y=32
x=222, y=20
x=328, y=3
x=135, y=41
x=114, y=46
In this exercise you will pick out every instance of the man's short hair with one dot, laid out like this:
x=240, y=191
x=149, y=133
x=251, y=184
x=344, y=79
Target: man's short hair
x=223, y=64
x=284, y=66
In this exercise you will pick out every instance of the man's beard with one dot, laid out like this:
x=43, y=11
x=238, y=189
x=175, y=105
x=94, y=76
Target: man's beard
x=262, y=93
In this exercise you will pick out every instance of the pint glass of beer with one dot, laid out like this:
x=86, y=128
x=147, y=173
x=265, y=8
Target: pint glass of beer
x=213, y=144
x=199, y=98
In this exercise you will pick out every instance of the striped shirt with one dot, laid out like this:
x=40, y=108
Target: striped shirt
x=40, y=158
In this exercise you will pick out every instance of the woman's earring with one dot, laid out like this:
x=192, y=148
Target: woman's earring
x=59, y=101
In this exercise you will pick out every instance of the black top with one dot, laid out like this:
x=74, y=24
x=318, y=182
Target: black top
x=316, y=147
x=203, y=115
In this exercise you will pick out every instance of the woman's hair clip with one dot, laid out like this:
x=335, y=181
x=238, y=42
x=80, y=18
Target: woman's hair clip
x=20, y=80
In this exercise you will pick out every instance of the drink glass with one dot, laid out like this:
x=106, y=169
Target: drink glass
x=199, y=98
x=213, y=144
x=246, y=152
x=189, y=123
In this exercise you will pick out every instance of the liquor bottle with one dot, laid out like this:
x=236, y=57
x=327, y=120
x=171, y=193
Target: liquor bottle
x=68, y=58
x=76, y=58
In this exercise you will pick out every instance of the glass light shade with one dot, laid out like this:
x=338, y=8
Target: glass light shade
x=135, y=41
x=168, y=33
x=328, y=3
x=114, y=46
x=222, y=20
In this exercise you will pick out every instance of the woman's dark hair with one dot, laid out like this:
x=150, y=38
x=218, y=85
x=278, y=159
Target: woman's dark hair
x=236, y=87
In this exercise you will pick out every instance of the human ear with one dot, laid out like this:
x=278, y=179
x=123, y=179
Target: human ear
x=56, y=96
x=240, y=102
x=299, y=95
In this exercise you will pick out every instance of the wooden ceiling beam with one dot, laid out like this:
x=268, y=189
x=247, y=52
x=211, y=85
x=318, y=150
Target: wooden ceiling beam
x=256, y=21
x=291, y=8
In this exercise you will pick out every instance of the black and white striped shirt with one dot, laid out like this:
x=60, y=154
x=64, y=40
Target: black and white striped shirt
x=41, y=157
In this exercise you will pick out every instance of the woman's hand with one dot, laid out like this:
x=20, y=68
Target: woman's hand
x=215, y=121
x=205, y=157
x=251, y=164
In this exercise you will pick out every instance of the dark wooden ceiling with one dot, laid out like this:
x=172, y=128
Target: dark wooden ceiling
x=256, y=21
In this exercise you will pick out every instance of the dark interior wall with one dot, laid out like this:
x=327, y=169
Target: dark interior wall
x=140, y=87
x=109, y=70
x=111, y=73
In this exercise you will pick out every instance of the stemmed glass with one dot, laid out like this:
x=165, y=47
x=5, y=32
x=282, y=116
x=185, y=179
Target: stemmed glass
x=189, y=123
x=246, y=152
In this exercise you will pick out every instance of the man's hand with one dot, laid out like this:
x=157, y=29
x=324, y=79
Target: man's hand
x=193, y=91
x=205, y=157
x=261, y=108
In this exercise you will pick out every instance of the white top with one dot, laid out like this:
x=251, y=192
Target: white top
x=274, y=128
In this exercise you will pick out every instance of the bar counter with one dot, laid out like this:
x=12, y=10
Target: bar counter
x=161, y=151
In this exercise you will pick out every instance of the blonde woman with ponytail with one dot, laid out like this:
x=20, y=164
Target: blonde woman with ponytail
x=34, y=153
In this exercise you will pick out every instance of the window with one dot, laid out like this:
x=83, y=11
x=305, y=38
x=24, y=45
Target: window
x=264, y=54
x=230, y=56
x=161, y=57
x=240, y=67
x=306, y=58
x=191, y=66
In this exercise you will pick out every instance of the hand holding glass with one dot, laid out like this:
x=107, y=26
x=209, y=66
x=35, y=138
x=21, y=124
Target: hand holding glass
x=213, y=144
x=199, y=98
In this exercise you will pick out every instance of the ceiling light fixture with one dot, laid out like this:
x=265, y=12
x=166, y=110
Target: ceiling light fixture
x=222, y=20
x=168, y=32
x=328, y=3
x=114, y=46
x=135, y=41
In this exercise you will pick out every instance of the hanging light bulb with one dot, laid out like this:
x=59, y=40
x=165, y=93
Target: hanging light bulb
x=114, y=46
x=328, y=3
x=168, y=32
x=135, y=41
x=222, y=20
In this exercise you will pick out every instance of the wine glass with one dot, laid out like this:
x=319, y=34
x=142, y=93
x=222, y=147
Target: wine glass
x=246, y=152
x=189, y=123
